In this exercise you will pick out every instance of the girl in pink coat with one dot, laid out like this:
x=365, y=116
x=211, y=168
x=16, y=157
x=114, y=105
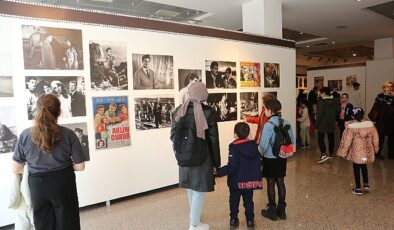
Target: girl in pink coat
x=359, y=144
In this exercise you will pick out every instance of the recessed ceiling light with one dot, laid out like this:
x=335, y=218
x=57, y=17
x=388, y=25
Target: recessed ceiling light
x=358, y=0
x=354, y=54
x=301, y=32
x=308, y=46
x=332, y=42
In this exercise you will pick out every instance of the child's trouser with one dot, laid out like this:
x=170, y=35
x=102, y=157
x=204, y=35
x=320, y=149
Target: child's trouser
x=364, y=171
x=305, y=137
x=235, y=197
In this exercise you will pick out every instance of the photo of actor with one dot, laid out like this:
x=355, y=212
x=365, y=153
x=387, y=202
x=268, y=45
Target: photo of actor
x=32, y=96
x=83, y=139
x=144, y=77
x=213, y=79
x=78, y=107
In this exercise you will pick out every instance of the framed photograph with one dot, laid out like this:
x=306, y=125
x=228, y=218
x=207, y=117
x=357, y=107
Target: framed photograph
x=250, y=74
x=80, y=129
x=271, y=75
x=220, y=74
x=153, y=71
x=52, y=48
x=224, y=104
x=108, y=65
x=6, y=86
x=8, y=134
x=335, y=85
x=186, y=77
x=249, y=105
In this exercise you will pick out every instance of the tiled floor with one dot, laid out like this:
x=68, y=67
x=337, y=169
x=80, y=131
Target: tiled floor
x=318, y=197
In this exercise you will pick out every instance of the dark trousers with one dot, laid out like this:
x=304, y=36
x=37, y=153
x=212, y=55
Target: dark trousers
x=54, y=200
x=235, y=197
x=322, y=145
x=341, y=125
x=364, y=171
x=390, y=145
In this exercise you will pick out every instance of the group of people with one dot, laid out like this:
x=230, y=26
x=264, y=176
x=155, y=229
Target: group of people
x=104, y=118
x=155, y=111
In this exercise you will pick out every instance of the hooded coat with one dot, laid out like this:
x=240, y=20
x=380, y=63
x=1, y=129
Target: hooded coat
x=327, y=112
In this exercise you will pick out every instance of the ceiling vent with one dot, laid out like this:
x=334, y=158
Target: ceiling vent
x=167, y=13
x=320, y=44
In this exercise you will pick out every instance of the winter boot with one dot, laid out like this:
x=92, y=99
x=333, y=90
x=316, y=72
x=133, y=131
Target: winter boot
x=270, y=212
x=282, y=211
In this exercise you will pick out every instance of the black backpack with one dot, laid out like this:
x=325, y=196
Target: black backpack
x=282, y=146
x=190, y=150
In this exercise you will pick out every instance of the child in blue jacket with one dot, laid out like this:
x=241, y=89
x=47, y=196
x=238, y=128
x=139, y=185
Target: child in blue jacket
x=243, y=172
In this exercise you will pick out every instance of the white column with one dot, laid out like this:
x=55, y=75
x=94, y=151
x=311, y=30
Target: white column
x=384, y=48
x=263, y=17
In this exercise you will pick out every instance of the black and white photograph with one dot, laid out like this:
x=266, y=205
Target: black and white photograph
x=249, y=105
x=80, y=129
x=108, y=65
x=153, y=71
x=335, y=85
x=153, y=112
x=8, y=134
x=52, y=48
x=69, y=90
x=224, y=104
x=6, y=86
x=220, y=74
x=186, y=77
x=271, y=75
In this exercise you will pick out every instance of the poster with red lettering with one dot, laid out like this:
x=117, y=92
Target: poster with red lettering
x=111, y=122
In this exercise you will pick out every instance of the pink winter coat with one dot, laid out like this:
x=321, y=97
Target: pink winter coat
x=360, y=142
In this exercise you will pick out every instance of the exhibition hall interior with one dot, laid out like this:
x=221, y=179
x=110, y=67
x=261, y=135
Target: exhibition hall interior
x=121, y=68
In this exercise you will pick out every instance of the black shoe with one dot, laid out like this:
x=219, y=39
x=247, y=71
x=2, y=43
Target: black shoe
x=281, y=211
x=270, y=212
x=234, y=223
x=250, y=224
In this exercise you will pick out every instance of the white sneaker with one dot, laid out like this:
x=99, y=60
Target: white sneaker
x=323, y=159
x=201, y=226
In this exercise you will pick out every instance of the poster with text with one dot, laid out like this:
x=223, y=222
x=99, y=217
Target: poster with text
x=224, y=104
x=335, y=85
x=6, y=86
x=52, y=48
x=185, y=78
x=249, y=105
x=111, y=122
x=69, y=90
x=250, y=74
x=153, y=71
x=220, y=74
x=153, y=112
x=8, y=134
x=80, y=129
x=108, y=65
x=271, y=75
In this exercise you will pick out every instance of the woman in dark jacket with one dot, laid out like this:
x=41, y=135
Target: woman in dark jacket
x=199, y=179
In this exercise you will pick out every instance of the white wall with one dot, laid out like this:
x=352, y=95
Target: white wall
x=149, y=162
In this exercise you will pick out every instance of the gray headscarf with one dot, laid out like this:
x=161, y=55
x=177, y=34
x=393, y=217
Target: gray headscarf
x=197, y=93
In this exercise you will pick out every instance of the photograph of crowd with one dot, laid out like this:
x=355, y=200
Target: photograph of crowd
x=153, y=112
x=69, y=90
x=52, y=48
x=220, y=74
x=8, y=138
x=250, y=74
x=186, y=77
x=6, y=86
x=80, y=129
x=224, y=104
x=335, y=85
x=249, y=105
x=271, y=75
x=153, y=71
x=108, y=65
x=111, y=122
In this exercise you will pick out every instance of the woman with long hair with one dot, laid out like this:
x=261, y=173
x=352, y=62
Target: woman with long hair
x=52, y=153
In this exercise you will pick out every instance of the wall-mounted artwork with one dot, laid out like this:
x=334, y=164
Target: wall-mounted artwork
x=250, y=74
x=224, y=104
x=6, y=86
x=271, y=75
x=249, y=105
x=111, y=122
x=153, y=112
x=52, y=48
x=349, y=81
x=153, y=71
x=70, y=91
x=108, y=65
x=8, y=138
x=220, y=74
x=335, y=85
x=80, y=129
x=318, y=82
x=185, y=78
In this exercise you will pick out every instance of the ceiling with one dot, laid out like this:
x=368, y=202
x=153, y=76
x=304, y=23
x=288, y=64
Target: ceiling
x=340, y=25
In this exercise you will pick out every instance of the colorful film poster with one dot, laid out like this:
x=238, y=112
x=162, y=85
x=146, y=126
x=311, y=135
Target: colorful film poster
x=250, y=74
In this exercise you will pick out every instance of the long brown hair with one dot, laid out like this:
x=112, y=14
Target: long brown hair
x=45, y=132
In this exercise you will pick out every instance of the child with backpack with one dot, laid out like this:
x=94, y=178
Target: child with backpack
x=243, y=172
x=274, y=163
x=359, y=144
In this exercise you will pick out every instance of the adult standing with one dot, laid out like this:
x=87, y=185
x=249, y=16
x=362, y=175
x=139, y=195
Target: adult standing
x=198, y=179
x=345, y=113
x=382, y=113
x=52, y=153
x=144, y=77
x=355, y=96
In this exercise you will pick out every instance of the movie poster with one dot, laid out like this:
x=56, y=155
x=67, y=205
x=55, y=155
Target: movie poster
x=153, y=112
x=249, y=105
x=271, y=75
x=153, y=71
x=108, y=65
x=80, y=129
x=6, y=86
x=69, y=90
x=52, y=48
x=224, y=104
x=220, y=74
x=318, y=82
x=187, y=77
x=250, y=74
x=111, y=122
x=335, y=85
x=8, y=134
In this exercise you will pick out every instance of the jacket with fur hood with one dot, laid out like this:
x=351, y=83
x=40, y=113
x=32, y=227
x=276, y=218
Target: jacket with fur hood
x=360, y=142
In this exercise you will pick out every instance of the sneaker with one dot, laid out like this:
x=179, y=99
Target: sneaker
x=234, y=223
x=357, y=191
x=201, y=226
x=250, y=224
x=303, y=146
x=366, y=188
x=323, y=159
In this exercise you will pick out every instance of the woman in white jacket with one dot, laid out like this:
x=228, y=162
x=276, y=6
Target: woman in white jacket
x=304, y=125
